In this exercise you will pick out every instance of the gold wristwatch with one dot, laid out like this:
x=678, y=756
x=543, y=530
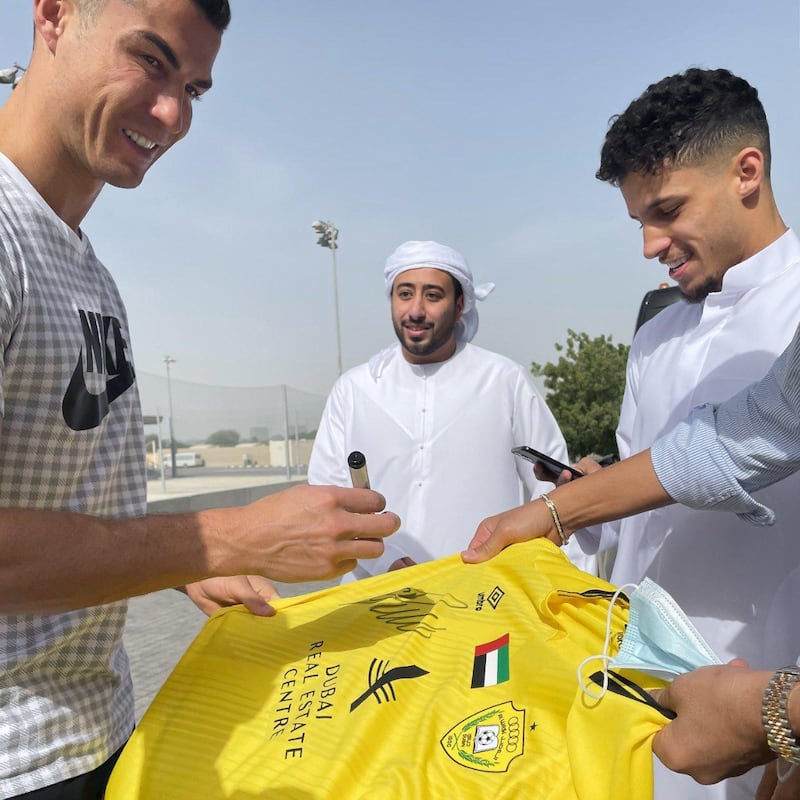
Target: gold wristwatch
x=774, y=714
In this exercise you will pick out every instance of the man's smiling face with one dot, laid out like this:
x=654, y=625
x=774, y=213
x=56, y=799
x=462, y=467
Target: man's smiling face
x=127, y=77
x=691, y=220
x=425, y=311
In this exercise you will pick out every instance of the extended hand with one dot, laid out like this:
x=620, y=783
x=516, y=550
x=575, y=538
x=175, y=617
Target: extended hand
x=518, y=525
x=252, y=591
x=307, y=533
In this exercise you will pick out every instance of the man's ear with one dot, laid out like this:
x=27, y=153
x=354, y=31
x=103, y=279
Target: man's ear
x=459, y=307
x=750, y=171
x=48, y=20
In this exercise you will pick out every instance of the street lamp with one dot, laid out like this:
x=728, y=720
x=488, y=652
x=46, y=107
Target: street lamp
x=9, y=75
x=328, y=233
x=173, y=450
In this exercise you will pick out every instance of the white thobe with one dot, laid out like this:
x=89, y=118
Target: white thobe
x=437, y=439
x=738, y=585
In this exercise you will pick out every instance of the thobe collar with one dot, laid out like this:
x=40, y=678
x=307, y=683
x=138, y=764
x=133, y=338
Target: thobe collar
x=380, y=361
x=760, y=268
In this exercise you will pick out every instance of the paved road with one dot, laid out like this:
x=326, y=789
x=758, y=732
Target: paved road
x=159, y=629
x=162, y=625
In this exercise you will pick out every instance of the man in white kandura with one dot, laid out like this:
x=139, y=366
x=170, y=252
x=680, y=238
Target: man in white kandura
x=691, y=157
x=435, y=416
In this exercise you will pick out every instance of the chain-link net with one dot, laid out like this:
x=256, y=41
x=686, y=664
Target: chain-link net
x=254, y=412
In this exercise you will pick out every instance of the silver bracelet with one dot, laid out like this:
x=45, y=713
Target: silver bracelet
x=554, y=514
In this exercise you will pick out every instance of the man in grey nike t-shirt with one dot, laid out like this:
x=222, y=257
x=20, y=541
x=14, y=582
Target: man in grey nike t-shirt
x=109, y=89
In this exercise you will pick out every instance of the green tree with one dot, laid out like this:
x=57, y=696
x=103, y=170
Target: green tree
x=584, y=391
x=224, y=438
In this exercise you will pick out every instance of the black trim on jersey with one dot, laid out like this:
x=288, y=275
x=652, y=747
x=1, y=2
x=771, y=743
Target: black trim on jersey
x=627, y=688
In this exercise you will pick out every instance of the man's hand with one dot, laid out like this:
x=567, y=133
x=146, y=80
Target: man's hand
x=304, y=533
x=586, y=465
x=718, y=731
x=518, y=525
x=252, y=591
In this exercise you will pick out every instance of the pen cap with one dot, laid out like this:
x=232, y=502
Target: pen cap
x=356, y=460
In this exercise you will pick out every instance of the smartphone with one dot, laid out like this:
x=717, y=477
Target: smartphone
x=551, y=464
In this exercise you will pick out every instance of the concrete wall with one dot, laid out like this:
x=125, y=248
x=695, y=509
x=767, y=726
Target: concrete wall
x=297, y=454
x=243, y=455
x=239, y=456
x=223, y=498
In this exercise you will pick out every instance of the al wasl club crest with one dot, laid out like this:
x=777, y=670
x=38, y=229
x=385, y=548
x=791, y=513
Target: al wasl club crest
x=489, y=740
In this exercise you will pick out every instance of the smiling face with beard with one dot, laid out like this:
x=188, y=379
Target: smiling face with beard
x=425, y=310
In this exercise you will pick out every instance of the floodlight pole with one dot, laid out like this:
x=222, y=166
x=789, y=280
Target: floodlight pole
x=328, y=234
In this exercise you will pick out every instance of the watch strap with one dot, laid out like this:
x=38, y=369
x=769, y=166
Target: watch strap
x=774, y=713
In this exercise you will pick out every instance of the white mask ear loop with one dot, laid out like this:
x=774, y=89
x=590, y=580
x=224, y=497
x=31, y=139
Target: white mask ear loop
x=604, y=656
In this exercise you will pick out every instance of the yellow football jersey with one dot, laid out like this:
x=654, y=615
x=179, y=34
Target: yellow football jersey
x=439, y=681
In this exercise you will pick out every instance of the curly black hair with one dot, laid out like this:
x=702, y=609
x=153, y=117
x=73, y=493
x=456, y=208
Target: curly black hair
x=682, y=121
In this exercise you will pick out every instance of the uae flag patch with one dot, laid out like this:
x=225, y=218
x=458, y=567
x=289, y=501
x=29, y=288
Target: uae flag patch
x=491, y=663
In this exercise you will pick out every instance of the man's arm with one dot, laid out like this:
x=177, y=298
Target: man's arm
x=722, y=452
x=534, y=423
x=55, y=561
x=711, y=460
x=625, y=488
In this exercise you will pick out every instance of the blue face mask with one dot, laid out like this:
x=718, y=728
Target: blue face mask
x=659, y=638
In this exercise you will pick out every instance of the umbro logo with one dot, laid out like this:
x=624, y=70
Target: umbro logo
x=104, y=350
x=493, y=599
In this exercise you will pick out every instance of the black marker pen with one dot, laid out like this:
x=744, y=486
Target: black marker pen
x=358, y=470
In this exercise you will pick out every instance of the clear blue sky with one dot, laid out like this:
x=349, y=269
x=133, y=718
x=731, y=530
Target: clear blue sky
x=476, y=124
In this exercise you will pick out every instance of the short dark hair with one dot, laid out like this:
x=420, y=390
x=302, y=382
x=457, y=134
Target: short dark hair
x=217, y=12
x=682, y=121
x=458, y=289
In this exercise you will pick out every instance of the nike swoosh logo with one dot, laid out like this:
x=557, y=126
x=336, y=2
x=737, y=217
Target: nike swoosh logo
x=84, y=410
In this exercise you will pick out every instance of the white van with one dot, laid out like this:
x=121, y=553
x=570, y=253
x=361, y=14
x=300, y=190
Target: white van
x=185, y=460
